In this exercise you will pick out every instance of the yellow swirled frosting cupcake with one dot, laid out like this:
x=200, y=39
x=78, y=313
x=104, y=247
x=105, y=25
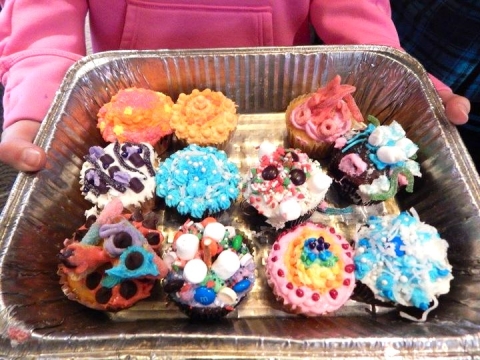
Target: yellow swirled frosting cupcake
x=205, y=118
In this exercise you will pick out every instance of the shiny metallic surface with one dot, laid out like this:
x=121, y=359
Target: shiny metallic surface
x=38, y=321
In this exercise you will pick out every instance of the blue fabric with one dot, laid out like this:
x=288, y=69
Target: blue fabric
x=444, y=35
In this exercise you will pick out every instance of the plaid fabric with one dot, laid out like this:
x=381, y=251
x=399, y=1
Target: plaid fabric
x=444, y=35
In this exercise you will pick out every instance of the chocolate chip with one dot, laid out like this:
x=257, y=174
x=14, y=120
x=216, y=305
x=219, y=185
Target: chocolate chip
x=122, y=240
x=136, y=185
x=103, y=295
x=128, y=289
x=153, y=238
x=136, y=160
x=113, y=170
x=102, y=187
x=64, y=258
x=106, y=160
x=93, y=280
x=134, y=260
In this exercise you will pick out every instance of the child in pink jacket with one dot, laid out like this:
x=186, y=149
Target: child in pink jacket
x=41, y=39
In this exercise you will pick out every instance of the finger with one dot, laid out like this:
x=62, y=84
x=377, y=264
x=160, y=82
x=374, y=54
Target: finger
x=17, y=150
x=457, y=107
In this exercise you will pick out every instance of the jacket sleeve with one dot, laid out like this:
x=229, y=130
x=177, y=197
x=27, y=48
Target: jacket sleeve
x=357, y=22
x=39, y=41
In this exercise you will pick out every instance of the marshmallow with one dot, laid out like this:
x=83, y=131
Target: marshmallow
x=226, y=264
x=227, y=296
x=319, y=183
x=266, y=148
x=215, y=231
x=187, y=246
x=290, y=209
x=195, y=271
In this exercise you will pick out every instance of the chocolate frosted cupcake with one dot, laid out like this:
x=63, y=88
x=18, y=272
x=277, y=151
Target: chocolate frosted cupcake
x=373, y=164
x=125, y=171
x=109, y=263
x=212, y=269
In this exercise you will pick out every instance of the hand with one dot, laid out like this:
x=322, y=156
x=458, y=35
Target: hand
x=456, y=107
x=17, y=149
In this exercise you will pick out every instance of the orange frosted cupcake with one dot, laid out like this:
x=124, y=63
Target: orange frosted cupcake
x=205, y=118
x=314, y=121
x=137, y=115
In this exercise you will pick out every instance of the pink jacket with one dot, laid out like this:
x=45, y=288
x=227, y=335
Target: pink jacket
x=41, y=39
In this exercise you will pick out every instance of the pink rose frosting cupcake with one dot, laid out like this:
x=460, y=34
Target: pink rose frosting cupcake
x=314, y=121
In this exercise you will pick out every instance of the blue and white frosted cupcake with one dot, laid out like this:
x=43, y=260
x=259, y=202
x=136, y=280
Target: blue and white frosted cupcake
x=198, y=181
x=373, y=164
x=403, y=260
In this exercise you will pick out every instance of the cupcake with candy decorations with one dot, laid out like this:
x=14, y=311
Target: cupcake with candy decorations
x=372, y=165
x=285, y=186
x=310, y=269
x=314, y=121
x=112, y=261
x=125, y=171
x=198, y=181
x=211, y=267
x=137, y=115
x=204, y=117
x=403, y=261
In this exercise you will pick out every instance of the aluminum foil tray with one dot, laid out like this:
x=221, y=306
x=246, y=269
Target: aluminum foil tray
x=38, y=321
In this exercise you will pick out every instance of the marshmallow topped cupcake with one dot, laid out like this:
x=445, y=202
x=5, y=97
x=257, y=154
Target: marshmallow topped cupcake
x=211, y=269
x=285, y=186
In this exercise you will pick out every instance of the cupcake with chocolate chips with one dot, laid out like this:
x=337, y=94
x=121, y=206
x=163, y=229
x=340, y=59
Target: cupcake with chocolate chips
x=285, y=186
x=212, y=269
x=125, y=171
x=109, y=263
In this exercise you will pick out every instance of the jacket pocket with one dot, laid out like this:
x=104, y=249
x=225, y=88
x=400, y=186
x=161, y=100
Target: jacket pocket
x=183, y=24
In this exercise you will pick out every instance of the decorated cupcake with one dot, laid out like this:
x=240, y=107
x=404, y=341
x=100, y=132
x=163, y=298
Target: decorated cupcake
x=206, y=118
x=372, y=165
x=211, y=268
x=137, y=115
x=310, y=269
x=109, y=263
x=125, y=171
x=403, y=260
x=314, y=121
x=285, y=186
x=198, y=181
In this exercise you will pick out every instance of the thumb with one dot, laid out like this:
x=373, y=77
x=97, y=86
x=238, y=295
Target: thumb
x=17, y=148
x=457, y=107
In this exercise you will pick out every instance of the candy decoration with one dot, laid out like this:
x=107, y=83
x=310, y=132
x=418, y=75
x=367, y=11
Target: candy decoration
x=215, y=231
x=195, y=271
x=187, y=246
x=241, y=286
x=226, y=264
x=204, y=295
x=228, y=296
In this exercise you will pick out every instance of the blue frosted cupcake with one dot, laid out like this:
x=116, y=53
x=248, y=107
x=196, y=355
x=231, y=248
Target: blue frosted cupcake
x=198, y=181
x=403, y=261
